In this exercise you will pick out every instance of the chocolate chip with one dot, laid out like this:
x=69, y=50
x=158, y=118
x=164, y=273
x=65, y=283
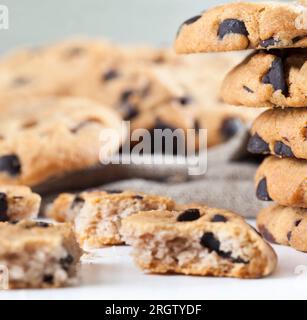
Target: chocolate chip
x=248, y=89
x=110, y=75
x=42, y=224
x=189, y=21
x=189, y=215
x=209, y=241
x=138, y=197
x=270, y=42
x=230, y=127
x=66, y=262
x=11, y=164
x=297, y=222
x=289, y=235
x=297, y=39
x=126, y=95
x=3, y=207
x=276, y=76
x=219, y=218
x=184, y=100
x=130, y=112
x=262, y=191
x=283, y=150
x=48, y=278
x=257, y=145
x=266, y=234
x=78, y=201
x=232, y=26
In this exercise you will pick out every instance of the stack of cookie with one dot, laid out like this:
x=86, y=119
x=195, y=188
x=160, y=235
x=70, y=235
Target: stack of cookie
x=275, y=77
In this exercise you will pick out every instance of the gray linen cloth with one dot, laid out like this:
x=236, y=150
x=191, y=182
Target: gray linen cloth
x=228, y=182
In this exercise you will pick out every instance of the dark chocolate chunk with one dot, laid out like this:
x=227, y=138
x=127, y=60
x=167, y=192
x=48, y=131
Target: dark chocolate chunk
x=42, y=224
x=262, y=191
x=297, y=39
x=257, y=145
x=126, y=95
x=189, y=21
x=283, y=150
x=11, y=164
x=110, y=75
x=232, y=26
x=78, y=201
x=48, y=278
x=189, y=215
x=270, y=42
x=66, y=262
x=209, y=241
x=249, y=90
x=130, y=112
x=184, y=100
x=230, y=127
x=276, y=76
x=289, y=235
x=297, y=222
x=3, y=207
x=138, y=197
x=219, y=218
x=266, y=234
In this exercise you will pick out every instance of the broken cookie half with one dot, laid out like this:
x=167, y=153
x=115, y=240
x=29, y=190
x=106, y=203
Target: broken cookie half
x=198, y=241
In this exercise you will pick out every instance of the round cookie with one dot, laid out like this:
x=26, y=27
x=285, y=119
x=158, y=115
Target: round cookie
x=243, y=25
x=282, y=180
x=197, y=241
x=282, y=132
x=268, y=79
x=284, y=225
x=53, y=137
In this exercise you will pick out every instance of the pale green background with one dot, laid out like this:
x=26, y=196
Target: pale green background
x=35, y=22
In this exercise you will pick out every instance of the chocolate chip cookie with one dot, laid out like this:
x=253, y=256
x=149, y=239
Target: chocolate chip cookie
x=38, y=254
x=18, y=203
x=97, y=215
x=282, y=180
x=282, y=132
x=268, y=79
x=198, y=241
x=243, y=25
x=284, y=225
x=55, y=136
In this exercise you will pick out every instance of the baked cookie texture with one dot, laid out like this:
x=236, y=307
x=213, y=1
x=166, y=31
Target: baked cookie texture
x=282, y=180
x=97, y=215
x=268, y=79
x=244, y=25
x=284, y=225
x=55, y=136
x=198, y=241
x=281, y=132
x=18, y=203
x=133, y=81
x=39, y=255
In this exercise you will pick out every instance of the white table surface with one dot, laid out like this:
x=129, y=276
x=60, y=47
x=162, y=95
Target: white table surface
x=110, y=274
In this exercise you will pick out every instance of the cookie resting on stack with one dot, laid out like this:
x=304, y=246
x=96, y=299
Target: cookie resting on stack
x=274, y=76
